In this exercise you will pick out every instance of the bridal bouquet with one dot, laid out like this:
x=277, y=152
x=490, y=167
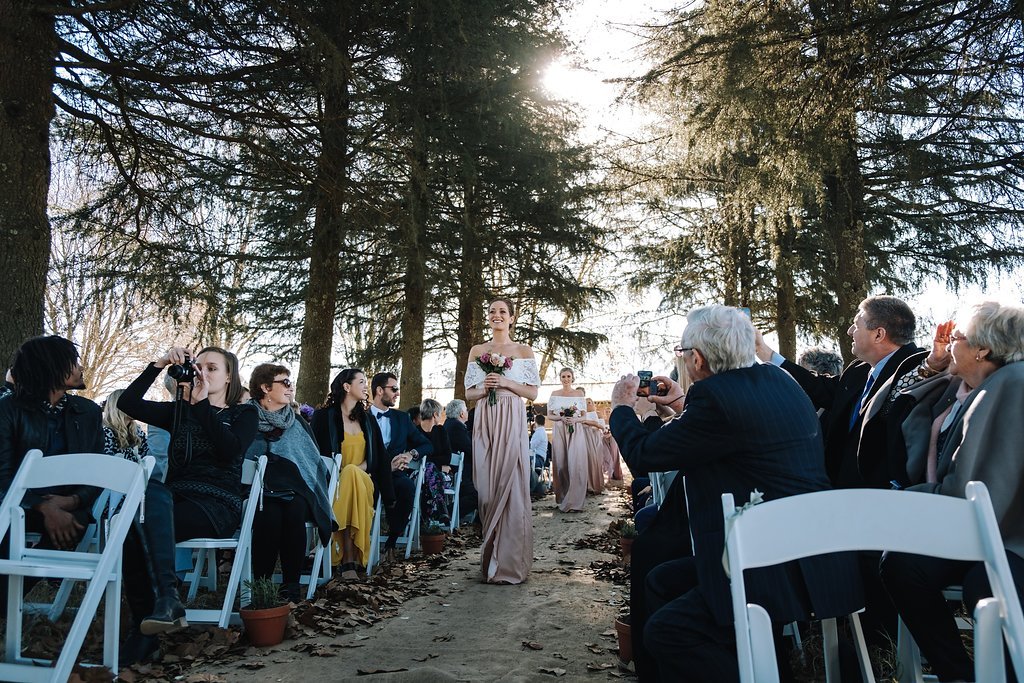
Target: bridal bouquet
x=493, y=362
x=569, y=411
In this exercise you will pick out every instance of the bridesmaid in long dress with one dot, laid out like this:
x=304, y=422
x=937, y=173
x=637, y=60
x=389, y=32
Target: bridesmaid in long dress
x=501, y=467
x=568, y=451
x=592, y=429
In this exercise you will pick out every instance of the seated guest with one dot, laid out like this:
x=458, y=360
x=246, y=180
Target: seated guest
x=461, y=441
x=414, y=414
x=745, y=426
x=41, y=414
x=403, y=441
x=210, y=432
x=978, y=439
x=344, y=426
x=122, y=436
x=539, y=456
x=294, y=484
x=437, y=474
x=821, y=360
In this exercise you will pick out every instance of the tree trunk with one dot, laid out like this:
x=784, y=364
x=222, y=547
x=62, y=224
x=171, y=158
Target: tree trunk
x=317, y=338
x=28, y=43
x=785, y=288
x=845, y=197
x=471, y=290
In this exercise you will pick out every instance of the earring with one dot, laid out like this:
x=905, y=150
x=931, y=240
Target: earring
x=978, y=358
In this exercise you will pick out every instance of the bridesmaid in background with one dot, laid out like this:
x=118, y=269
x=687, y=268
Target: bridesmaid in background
x=592, y=428
x=501, y=466
x=568, y=451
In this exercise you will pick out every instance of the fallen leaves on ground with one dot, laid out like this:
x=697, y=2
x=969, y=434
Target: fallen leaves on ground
x=552, y=671
x=530, y=645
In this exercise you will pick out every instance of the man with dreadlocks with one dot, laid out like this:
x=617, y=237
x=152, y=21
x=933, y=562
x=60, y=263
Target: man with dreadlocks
x=41, y=414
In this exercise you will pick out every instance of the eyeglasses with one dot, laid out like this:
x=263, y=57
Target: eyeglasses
x=286, y=382
x=958, y=336
x=394, y=388
x=680, y=350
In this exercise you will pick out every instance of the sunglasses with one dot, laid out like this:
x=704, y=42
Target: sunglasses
x=680, y=350
x=286, y=382
x=394, y=388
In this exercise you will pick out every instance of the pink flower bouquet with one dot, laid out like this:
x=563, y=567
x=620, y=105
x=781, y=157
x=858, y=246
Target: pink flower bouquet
x=493, y=362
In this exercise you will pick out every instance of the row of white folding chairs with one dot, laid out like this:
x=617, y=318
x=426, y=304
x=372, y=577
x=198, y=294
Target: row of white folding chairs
x=452, y=492
x=864, y=519
x=100, y=567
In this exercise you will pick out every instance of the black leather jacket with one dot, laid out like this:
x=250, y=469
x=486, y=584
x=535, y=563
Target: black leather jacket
x=328, y=435
x=23, y=426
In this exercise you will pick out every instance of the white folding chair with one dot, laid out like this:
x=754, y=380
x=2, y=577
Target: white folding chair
x=453, y=492
x=866, y=519
x=410, y=535
x=204, y=552
x=320, y=573
x=907, y=653
x=101, y=569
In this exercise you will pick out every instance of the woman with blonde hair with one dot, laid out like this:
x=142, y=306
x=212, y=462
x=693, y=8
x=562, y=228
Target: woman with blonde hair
x=122, y=436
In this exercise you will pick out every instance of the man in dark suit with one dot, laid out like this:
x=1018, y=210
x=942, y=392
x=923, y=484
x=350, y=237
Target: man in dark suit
x=856, y=452
x=461, y=440
x=403, y=441
x=744, y=427
x=855, y=425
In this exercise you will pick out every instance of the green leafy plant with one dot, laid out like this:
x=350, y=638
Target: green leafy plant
x=628, y=529
x=434, y=527
x=263, y=593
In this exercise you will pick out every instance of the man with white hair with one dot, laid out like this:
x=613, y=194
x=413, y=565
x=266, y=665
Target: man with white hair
x=462, y=442
x=742, y=427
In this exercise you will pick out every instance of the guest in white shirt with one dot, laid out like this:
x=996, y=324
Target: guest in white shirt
x=539, y=456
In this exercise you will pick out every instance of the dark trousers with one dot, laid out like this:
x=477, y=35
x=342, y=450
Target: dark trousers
x=149, y=552
x=279, y=530
x=398, y=516
x=683, y=636
x=915, y=583
x=651, y=548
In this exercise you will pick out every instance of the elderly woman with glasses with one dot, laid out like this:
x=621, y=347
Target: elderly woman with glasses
x=975, y=435
x=295, y=483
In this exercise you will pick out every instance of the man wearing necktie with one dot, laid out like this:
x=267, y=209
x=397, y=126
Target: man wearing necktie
x=403, y=442
x=856, y=452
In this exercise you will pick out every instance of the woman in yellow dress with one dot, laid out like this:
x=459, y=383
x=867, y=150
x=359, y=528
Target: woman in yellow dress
x=344, y=425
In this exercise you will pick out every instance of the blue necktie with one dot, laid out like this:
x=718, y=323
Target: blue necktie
x=860, y=401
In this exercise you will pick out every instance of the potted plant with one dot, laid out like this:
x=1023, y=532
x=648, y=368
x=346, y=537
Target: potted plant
x=432, y=538
x=624, y=634
x=626, y=535
x=267, y=613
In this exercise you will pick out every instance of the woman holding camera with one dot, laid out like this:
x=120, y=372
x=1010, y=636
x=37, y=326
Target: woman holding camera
x=344, y=425
x=294, y=485
x=501, y=466
x=210, y=431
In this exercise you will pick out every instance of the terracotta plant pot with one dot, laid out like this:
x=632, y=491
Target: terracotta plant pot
x=625, y=634
x=627, y=548
x=433, y=544
x=265, y=627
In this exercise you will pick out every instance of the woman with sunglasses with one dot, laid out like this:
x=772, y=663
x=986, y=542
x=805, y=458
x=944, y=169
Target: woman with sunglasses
x=294, y=485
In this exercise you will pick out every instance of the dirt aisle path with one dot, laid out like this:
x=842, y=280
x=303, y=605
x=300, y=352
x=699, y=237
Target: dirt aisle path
x=468, y=631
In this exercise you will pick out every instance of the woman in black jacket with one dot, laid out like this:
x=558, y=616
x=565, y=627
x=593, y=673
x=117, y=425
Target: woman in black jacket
x=344, y=426
x=210, y=431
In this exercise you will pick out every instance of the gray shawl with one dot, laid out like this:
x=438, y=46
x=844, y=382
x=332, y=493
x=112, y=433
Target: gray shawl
x=295, y=445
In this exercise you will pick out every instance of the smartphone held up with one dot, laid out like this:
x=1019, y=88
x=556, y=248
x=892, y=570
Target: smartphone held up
x=649, y=386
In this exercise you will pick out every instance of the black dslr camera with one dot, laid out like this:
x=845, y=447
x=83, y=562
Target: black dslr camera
x=186, y=372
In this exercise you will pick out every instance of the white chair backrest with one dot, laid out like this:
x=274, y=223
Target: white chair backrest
x=869, y=519
x=457, y=459
x=249, y=469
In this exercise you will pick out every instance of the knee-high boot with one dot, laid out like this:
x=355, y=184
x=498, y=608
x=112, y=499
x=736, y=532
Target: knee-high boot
x=158, y=530
x=138, y=591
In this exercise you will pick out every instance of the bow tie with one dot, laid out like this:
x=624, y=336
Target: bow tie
x=381, y=414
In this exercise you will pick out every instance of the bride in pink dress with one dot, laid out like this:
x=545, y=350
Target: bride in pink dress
x=501, y=466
